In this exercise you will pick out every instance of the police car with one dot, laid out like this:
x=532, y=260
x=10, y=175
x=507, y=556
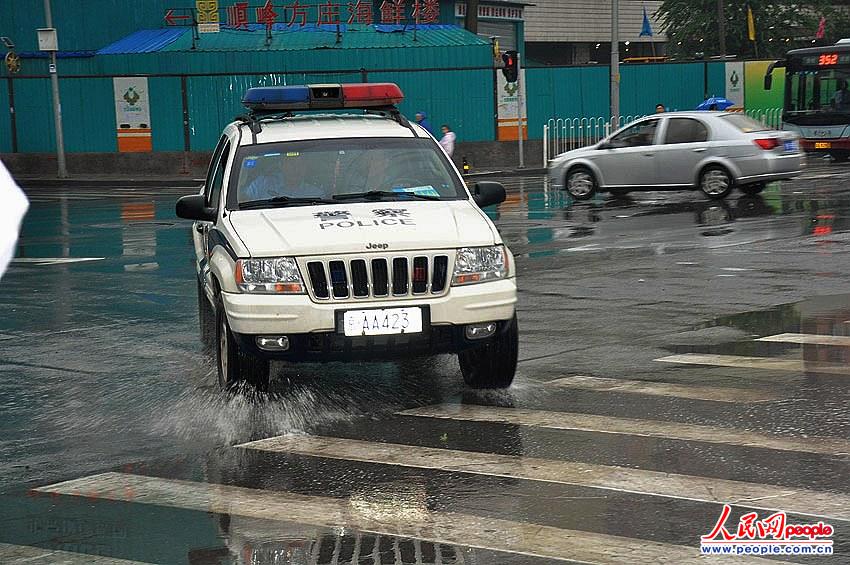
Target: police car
x=330, y=229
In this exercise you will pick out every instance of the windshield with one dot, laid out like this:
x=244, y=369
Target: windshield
x=817, y=92
x=325, y=170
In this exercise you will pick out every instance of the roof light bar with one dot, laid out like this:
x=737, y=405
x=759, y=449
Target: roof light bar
x=323, y=96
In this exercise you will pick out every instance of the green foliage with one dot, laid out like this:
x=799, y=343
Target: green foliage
x=691, y=26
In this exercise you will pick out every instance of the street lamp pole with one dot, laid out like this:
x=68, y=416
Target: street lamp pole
x=615, y=64
x=721, y=28
x=57, y=104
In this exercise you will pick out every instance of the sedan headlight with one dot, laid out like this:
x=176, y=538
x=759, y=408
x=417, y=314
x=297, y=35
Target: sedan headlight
x=480, y=264
x=278, y=275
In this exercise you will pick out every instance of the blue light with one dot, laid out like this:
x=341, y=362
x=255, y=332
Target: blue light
x=262, y=96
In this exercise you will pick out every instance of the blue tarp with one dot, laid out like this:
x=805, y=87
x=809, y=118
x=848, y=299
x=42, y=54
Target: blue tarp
x=144, y=41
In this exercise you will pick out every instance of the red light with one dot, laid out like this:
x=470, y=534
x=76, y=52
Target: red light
x=371, y=94
x=767, y=143
x=828, y=59
x=510, y=62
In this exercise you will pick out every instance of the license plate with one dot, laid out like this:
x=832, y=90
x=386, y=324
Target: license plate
x=388, y=321
x=823, y=145
x=790, y=146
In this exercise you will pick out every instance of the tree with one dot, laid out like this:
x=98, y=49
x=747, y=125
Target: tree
x=692, y=26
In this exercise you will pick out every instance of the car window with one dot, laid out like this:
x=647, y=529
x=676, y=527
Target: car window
x=744, y=123
x=212, y=168
x=218, y=177
x=685, y=130
x=324, y=168
x=638, y=135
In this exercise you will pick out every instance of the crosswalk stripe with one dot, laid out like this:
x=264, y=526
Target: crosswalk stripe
x=28, y=555
x=715, y=394
x=629, y=426
x=622, y=479
x=808, y=339
x=793, y=365
x=439, y=527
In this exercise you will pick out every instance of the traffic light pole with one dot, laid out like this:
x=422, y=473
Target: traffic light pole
x=519, y=86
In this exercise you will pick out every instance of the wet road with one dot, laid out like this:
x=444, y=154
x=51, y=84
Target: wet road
x=675, y=354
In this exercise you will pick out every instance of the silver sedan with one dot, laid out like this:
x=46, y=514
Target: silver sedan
x=711, y=151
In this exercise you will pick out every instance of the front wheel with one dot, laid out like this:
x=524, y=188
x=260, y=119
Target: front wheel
x=716, y=182
x=580, y=183
x=752, y=189
x=492, y=365
x=234, y=365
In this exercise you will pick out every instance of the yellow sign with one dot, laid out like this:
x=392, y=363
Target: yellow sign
x=208, y=18
x=823, y=145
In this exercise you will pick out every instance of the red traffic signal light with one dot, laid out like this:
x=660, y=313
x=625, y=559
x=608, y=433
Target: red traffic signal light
x=511, y=68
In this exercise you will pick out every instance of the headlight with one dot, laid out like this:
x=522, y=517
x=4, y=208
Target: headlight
x=479, y=264
x=274, y=275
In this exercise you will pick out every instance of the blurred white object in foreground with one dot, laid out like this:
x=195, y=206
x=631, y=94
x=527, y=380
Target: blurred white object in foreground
x=13, y=206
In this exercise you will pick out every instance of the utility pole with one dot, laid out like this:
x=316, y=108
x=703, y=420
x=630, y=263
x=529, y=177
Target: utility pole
x=57, y=104
x=519, y=86
x=721, y=28
x=471, y=20
x=615, y=64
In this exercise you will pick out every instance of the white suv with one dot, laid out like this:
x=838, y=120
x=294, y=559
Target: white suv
x=346, y=235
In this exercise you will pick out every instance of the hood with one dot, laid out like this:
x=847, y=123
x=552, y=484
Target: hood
x=362, y=226
x=576, y=152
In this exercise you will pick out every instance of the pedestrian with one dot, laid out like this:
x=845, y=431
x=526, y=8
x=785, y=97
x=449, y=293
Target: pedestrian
x=422, y=120
x=660, y=109
x=447, y=142
x=841, y=98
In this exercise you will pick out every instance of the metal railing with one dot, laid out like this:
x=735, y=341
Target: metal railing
x=566, y=134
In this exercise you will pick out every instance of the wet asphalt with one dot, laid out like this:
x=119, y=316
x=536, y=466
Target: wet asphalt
x=101, y=369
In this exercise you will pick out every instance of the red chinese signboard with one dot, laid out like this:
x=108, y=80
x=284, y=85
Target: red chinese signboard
x=241, y=14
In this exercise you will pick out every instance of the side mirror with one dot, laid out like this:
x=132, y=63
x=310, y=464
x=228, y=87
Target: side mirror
x=768, y=81
x=486, y=193
x=194, y=207
x=605, y=145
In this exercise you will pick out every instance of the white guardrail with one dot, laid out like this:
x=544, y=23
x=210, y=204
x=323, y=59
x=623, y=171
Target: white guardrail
x=566, y=134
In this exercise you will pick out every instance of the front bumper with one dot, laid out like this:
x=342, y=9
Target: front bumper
x=334, y=346
x=298, y=314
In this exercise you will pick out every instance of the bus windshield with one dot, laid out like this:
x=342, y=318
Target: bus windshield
x=813, y=92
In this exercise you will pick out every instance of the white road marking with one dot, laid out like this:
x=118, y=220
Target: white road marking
x=792, y=365
x=652, y=388
x=376, y=516
x=824, y=505
x=29, y=555
x=806, y=339
x=55, y=260
x=630, y=426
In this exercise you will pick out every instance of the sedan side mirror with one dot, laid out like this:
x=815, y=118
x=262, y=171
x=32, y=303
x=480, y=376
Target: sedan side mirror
x=486, y=193
x=194, y=207
x=605, y=145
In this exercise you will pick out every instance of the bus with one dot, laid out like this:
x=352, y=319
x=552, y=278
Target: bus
x=817, y=97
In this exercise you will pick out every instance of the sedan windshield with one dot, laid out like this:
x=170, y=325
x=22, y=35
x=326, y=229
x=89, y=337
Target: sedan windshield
x=328, y=170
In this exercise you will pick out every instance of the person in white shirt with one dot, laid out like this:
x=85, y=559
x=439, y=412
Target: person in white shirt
x=13, y=206
x=448, y=140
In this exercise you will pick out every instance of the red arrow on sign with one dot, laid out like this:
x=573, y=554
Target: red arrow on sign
x=171, y=19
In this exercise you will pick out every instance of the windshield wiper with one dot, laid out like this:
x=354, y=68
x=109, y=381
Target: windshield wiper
x=380, y=194
x=282, y=201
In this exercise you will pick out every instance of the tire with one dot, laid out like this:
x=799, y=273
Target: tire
x=840, y=157
x=235, y=366
x=580, y=183
x=752, y=189
x=716, y=182
x=206, y=320
x=492, y=365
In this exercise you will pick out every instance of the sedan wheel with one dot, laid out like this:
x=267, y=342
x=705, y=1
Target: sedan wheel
x=715, y=182
x=580, y=183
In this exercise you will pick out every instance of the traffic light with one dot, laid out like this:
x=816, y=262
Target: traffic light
x=510, y=70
